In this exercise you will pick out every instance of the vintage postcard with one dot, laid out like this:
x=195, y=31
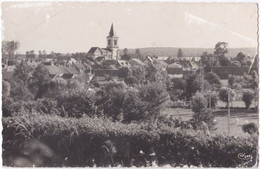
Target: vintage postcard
x=130, y=84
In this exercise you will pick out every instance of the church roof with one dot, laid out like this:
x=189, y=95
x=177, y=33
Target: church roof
x=111, y=32
x=93, y=49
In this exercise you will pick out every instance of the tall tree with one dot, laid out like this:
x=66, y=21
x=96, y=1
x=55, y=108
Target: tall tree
x=221, y=48
x=138, y=53
x=125, y=51
x=180, y=53
x=240, y=57
x=126, y=56
x=22, y=72
x=9, y=48
x=40, y=81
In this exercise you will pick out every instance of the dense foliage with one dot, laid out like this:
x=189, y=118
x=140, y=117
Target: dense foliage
x=226, y=94
x=80, y=142
x=250, y=128
x=248, y=96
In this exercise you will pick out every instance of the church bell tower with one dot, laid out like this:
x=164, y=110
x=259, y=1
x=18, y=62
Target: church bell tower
x=112, y=43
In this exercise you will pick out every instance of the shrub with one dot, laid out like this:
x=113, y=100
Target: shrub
x=231, y=81
x=40, y=81
x=223, y=94
x=213, y=79
x=132, y=104
x=75, y=103
x=248, y=96
x=7, y=106
x=250, y=128
x=212, y=98
x=198, y=103
x=203, y=120
x=79, y=141
x=43, y=106
x=19, y=91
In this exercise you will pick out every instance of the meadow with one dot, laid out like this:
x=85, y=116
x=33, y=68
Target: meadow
x=238, y=117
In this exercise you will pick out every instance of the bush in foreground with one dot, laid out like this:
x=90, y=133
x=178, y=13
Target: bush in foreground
x=250, y=128
x=93, y=141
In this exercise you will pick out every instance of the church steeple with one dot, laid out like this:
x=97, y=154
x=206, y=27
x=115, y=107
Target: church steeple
x=112, y=43
x=111, y=32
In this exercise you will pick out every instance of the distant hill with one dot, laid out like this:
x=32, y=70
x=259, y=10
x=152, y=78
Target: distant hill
x=189, y=52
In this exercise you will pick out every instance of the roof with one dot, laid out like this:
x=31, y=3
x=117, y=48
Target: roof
x=93, y=49
x=105, y=50
x=174, y=65
x=67, y=76
x=110, y=62
x=106, y=72
x=174, y=70
x=111, y=32
x=56, y=70
x=100, y=58
x=134, y=61
x=113, y=67
x=72, y=70
x=163, y=63
x=79, y=66
x=162, y=57
x=224, y=72
x=185, y=63
x=123, y=63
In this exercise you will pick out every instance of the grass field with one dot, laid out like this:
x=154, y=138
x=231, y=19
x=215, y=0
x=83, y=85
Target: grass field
x=237, y=119
x=238, y=104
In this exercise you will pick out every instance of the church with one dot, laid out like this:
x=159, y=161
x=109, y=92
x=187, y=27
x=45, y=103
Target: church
x=111, y=52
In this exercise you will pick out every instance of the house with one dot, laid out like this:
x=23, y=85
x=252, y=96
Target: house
x=186, y=64
x=55, y=71
x=112, y=67
x=195, y=59
x=33, y=62
x=20, y=57
x=135, y=61
x=122, y=63
x=162, y=58
x=107, y=63
x=224, y=71
x=110, y=52
x=101, y=75
x=96, y=52
x=61, y=71
x=48, y=62
x=175, y=70
x=79, y=67
x=163, y=64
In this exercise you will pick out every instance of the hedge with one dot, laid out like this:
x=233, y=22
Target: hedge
x=80, y=142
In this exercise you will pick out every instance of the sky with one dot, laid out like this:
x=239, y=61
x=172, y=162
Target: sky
x=68, y=27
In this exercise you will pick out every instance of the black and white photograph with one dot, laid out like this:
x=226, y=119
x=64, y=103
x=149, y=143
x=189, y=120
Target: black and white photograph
x=130, y=84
